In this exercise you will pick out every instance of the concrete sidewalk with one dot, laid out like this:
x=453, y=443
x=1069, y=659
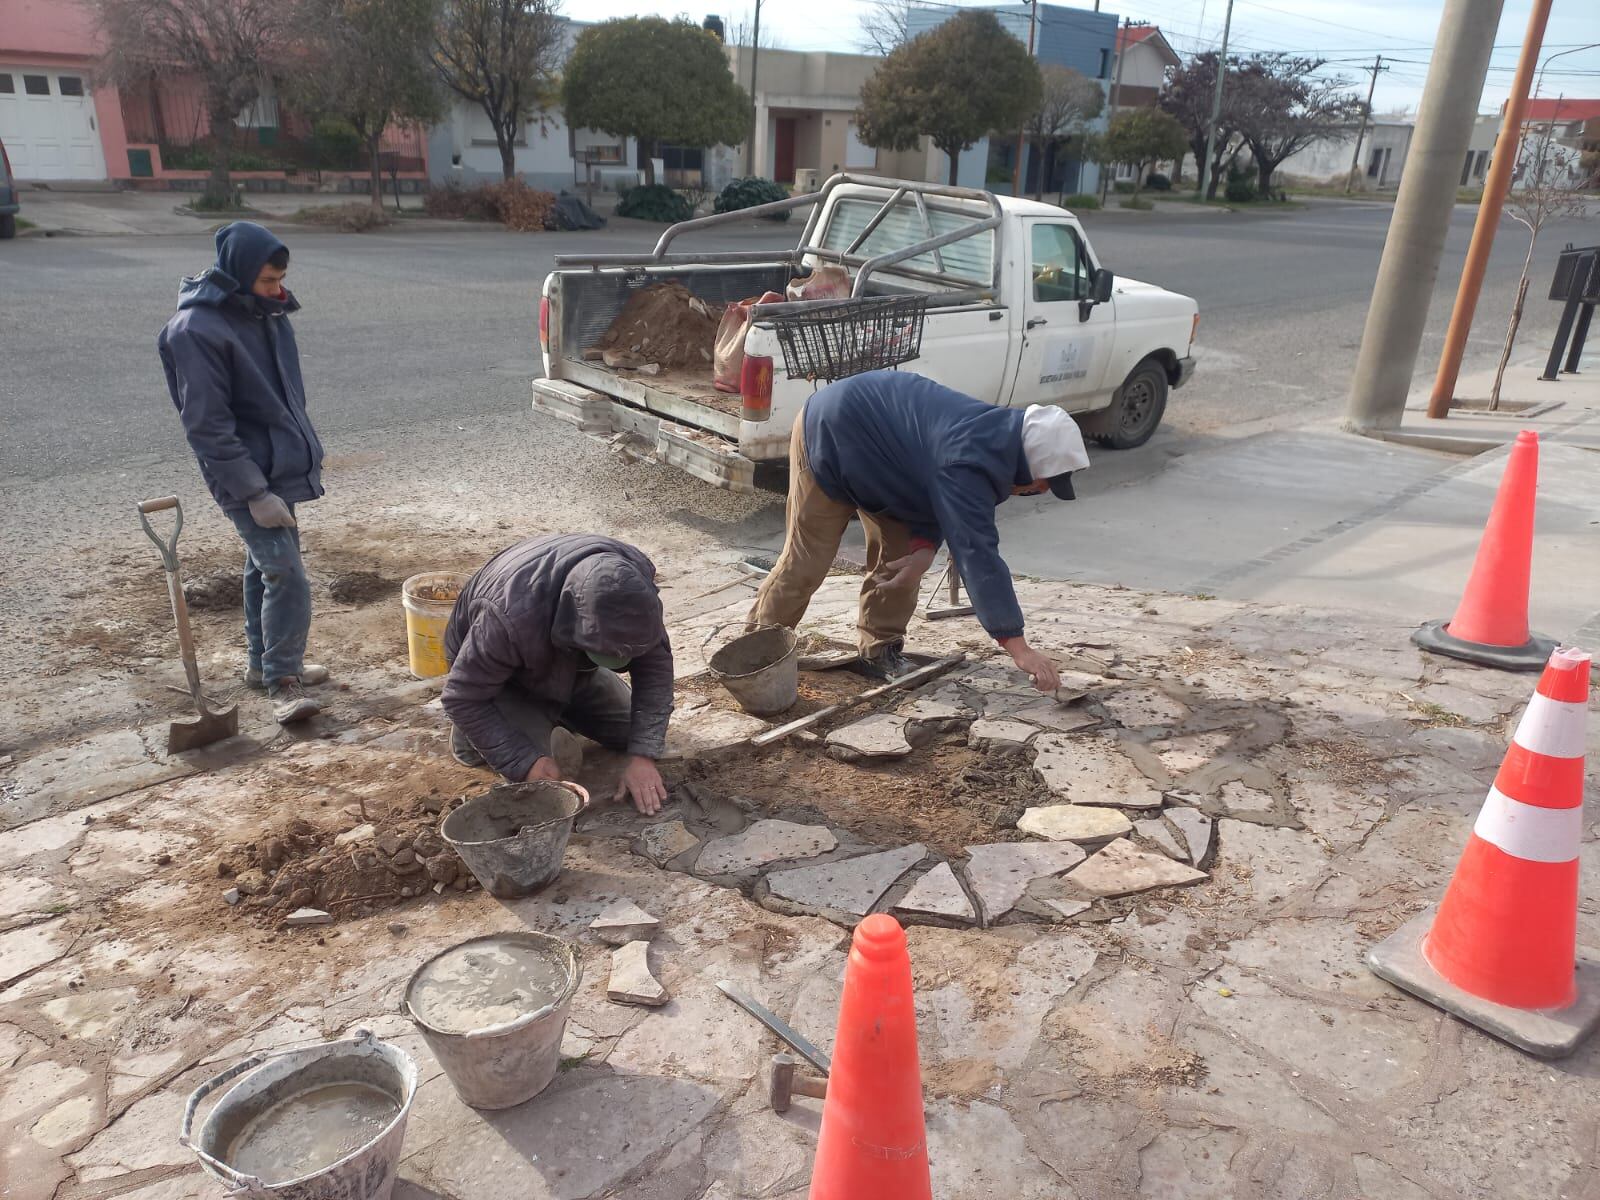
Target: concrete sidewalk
x=109, y=213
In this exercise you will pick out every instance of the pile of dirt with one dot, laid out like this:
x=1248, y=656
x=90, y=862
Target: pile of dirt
x=215, y=591
x=818, y=690
x=362, y=587
x=666, y=325
x=356, y=872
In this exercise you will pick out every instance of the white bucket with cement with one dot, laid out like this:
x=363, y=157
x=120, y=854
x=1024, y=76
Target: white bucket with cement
x=332, y=1116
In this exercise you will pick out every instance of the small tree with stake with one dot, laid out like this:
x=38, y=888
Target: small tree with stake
x=955, y=84
x=1141, y=137
x=502, y=56
x=231, y=47
x=1069, y=100
x=657, y=81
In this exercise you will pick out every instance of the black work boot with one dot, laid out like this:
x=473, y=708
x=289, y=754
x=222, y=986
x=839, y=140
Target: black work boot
x=463, y=751
x=887, y=663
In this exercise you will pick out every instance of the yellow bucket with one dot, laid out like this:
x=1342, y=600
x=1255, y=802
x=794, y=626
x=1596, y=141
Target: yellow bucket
x=428, y=600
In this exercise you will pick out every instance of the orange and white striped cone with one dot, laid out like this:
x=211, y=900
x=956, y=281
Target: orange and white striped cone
x=1501, y=951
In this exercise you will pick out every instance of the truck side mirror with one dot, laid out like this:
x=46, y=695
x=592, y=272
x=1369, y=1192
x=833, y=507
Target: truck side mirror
x=1099, y=292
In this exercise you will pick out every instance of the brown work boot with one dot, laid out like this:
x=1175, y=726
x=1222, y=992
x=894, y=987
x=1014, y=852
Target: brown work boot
x=290, y=702
x=310, y=675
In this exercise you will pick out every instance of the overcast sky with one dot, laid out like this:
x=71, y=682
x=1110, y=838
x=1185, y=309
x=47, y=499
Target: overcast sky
x=1332, y=29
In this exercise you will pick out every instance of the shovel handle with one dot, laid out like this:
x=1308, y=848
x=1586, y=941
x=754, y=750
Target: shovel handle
x=167, y=546
x=180, y=609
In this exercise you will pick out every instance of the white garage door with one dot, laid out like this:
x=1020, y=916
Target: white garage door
x=47, y=123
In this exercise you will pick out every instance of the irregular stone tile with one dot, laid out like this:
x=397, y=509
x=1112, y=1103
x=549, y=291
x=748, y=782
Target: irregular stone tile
x=1468, y=749
x=37, y=1086
x=939, y=894
x=699, y=1035
x=1280, y=862
x=1000, y=872
x=24, y=950
x=706, y=730
x=1470, y=705
x=66, y=1122
x=664, y=841
x=1141, y=707
x=622, y=922
x=1199, y=833
x=631, y=980
x=988, y=733
x=14, y=1043
x=1091, y=770
x=1058, y=717
x=753, y=1154
x=974, y=1149
x=1077, y=684
x=308, y=916
x=1237, y=797
x=111, y=856
x=89, y=1014
x=70, y=777
x=764, y=842
x=39, y=839
x=1122, y=869
x=946, y=704
x=1155, y=830
x=1068, y=908
x=1190, y=1162
x=852, y=886
x=1081, y=823
x=139, y=1139
x=1181, y=755
x=882, y=735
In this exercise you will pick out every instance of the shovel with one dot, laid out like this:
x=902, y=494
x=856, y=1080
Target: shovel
x=209, y=726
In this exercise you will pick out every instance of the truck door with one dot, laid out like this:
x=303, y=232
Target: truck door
x=1065, y=345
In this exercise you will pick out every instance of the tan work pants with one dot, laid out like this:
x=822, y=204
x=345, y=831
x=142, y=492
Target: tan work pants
x=814, y=527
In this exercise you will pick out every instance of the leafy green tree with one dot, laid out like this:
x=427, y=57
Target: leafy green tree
x=501, y=55
x=954, y=84
x=373, y=68
x=1141, y=137
x=657, y=81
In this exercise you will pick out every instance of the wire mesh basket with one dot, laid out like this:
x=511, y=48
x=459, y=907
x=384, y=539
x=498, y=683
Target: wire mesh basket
x=833, y=339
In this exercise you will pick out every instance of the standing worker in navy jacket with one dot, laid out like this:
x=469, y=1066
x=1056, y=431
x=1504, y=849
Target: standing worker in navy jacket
x=920, y=464
x=234, y=373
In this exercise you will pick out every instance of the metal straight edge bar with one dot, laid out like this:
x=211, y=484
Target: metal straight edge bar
x=911, y=679
x=803, y=1046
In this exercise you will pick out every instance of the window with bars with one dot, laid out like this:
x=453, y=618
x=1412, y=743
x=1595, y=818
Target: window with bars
x=970, y=259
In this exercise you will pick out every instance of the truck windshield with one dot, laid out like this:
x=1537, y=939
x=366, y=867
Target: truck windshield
x=971, y=259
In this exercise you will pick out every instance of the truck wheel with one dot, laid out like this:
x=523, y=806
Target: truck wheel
x=1137, y=410
x=8, y=227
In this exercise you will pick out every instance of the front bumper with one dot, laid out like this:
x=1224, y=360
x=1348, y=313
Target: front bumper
x=1185, y=370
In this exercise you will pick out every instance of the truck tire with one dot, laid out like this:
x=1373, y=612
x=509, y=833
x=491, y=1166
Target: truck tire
x=1137, y=410
x=8, y=227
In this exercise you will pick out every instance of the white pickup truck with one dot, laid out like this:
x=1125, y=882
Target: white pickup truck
x=1019, y=311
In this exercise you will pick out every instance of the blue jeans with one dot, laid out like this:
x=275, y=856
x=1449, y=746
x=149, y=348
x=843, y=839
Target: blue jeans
x=277, y=598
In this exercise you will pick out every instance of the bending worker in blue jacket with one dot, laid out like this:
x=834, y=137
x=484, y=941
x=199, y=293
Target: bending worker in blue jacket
x=234, y=373
x=920, y=464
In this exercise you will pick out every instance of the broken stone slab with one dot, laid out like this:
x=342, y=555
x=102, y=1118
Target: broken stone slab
x=1067, y=909
x=1144, y=706
x=663, y=842
x=361, y=833
x=1085, y=824
x=704, y=731
x=1155, y=830
x=231, y=896
x=1199, y=833
x=1058, y=717
x=622, y=922
x=1092, y=770
x=764, y=842
x=631, y=981
x=1000, y=735
x=1122, y=869
x=939, y=894
x=308, y=916
x=1000, y=872
x=851, y=886
x=882, y=735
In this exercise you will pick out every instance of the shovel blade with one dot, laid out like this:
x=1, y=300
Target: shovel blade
x=199, y=731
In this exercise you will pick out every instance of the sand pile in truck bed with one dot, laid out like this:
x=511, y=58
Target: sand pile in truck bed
x=665, y=324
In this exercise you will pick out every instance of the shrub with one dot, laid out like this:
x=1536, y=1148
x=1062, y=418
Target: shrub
x=654, y=202
x=356, y=217
x=748, y=193
x=1157, y=182
x=511, y=202
x=1137, y=203
x=1081, y=201
x=197, y=157
x=336, y=146
x=456, y=203
x=1123, y=187
x=1240, y=191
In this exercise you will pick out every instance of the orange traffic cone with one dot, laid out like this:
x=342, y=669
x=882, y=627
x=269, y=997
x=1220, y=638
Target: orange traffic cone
x=873, y=1142
x=1502, y=950
x=1491, y=623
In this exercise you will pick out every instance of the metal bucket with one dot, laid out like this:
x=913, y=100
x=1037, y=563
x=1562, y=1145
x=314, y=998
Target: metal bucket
x=513, y=836
x=503, y=1065
x=760, y=669
x=366, y=1173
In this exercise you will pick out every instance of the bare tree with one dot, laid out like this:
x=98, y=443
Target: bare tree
x=1071, y=100
x=1281, y=107
x=503, y=56
x=885, y=26
x=1548, y=184
x=232, y=48
x=741, y=29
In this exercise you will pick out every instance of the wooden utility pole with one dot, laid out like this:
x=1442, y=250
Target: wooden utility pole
x=1111, y=109
x=1503, y=158
x=1366, y=115
x=1016, y=168
x=1216, y=107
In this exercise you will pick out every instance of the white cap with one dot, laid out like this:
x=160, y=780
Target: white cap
x=1052, y=442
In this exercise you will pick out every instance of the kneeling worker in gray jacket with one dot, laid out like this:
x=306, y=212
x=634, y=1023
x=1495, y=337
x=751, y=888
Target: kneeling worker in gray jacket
x=535, y=644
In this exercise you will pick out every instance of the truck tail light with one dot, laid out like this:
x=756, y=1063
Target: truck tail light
x=755, y=387
x=1194, y=328
x=544, y=323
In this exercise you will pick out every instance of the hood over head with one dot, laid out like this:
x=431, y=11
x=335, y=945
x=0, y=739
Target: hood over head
x=243, y=248
x=609, y=607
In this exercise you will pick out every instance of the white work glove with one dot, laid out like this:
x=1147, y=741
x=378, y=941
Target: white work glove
x=270, y=512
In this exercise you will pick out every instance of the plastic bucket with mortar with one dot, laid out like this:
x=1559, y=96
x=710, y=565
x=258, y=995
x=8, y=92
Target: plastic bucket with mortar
x=513, y=836
x=501, y=1065
x=428, y=600
x=760, y=669
x=275, y=1078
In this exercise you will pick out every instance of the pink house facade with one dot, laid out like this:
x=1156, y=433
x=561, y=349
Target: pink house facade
x=56, y=125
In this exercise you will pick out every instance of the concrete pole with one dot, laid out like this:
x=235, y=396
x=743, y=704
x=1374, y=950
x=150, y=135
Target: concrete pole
x=1410, y=264
x=1216, y=107
x=1495, y=188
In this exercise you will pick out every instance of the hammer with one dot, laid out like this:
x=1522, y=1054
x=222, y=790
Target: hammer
x=787, y=1083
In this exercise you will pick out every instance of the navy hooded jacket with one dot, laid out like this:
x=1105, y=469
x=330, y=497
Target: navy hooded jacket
x=234, y=374
x=896, y=444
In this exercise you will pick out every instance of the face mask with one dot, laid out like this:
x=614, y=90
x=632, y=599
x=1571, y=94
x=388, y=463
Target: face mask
x=611, y=662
